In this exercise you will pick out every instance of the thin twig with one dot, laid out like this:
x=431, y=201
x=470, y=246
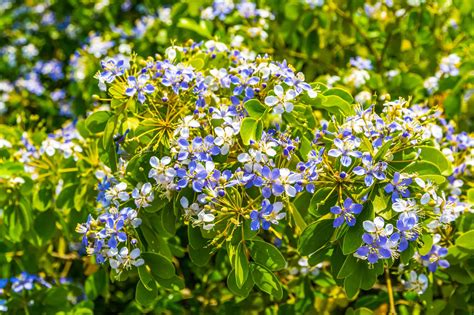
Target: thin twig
x=390, y=292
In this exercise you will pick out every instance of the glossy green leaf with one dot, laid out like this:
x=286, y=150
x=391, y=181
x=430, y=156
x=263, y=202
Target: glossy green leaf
x=436, y=157
x=144, y=296
x=345, y=95
x=158, y=266
x=244, y=290
x=466, y=240
x=266, y=280
x=255, y=108
x=267, y=255
x=250, y=129
x=96, y=122
x=241, y=265
x=315, y=236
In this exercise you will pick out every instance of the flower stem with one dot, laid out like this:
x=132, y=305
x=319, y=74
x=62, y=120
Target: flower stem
x=390, y=292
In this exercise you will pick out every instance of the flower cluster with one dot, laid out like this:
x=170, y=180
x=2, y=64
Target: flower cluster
x=112, y=236
x=232, y=152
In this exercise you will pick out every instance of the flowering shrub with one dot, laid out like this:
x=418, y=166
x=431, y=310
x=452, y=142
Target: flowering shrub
x=213, y=176
x=229, y=147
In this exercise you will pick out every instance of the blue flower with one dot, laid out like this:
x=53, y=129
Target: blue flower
x=378, y=244
x=3, y=305
x=375, y=248
x=26, y=281
x=370, y=170
x=268, y=215
x=103, y=186
x=434, y=258
x=177, y=77
x=140, y=86
x=346, y=149
x=398, y=187
x=277, y=181
x=112, y=69
x=408, y=229
x=417, y=283
x=84, y=229
x=346, y=213
x=196, y=174
x=126, y=260
x=113, y=230
x=361, y=63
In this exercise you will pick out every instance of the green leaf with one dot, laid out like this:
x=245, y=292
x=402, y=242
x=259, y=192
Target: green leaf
x=341, y=93
x=200, y=256
x=305, y=148
x=241, y=265
x=96, y=284
x=255, y=108
x=332, y=101
x=196, y=240
x=348, y=267
x=56, y=296
x=158, y=265
x=422, y=168
x=319, y=256
x=244, y=290
x=466, y=240
x=250, y=129
x=436, y=157
x=267, y=255
x=407, y=254
x=266, y=280
x=144, y=296
x=42, y=199
x=470, y=195
x=65, y=199
x=437, y=179
x=146, y=278
x=157, y=204
x=168, y=220
x=315, y=236
x=109, y=130
x=452, y=104
x=292, y=11
x=197, y=63
x=323, y=199
x=174, y=283
x=192, y=25
x=45, y=224
x=352, y=285
x=96, y=122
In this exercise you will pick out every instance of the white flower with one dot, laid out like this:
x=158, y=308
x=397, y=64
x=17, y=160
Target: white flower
x=117, y=193
x=143, y=195
x=224, y=138
x=5, y=144
x=404, y=205
x=281, y=100
x=429, y=188
x=357, y=77
x=276, y=215
x=377, y=227
x=417, y=283
x=431, y=84
x=161, y=172
x=187, y=123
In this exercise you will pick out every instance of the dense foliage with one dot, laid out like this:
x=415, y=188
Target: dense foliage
x=236, y=157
